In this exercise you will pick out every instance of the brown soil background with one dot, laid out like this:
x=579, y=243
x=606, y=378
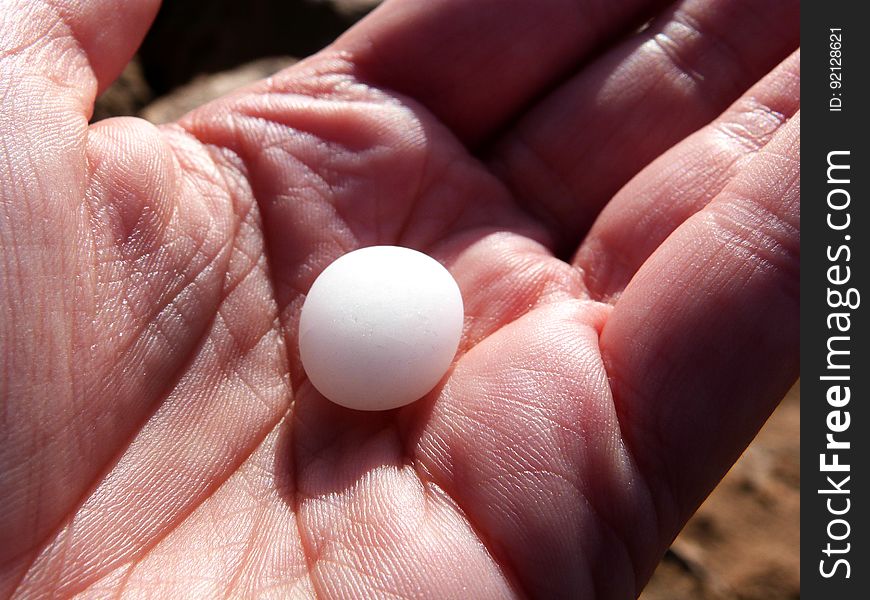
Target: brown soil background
x=744, y=541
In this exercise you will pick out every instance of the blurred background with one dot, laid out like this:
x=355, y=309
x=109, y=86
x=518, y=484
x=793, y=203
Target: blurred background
x=743, y=543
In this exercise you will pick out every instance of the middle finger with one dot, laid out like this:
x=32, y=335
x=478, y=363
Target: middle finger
x=567, y=157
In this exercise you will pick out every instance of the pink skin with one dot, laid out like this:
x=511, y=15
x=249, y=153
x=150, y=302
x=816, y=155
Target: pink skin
x=157, y=433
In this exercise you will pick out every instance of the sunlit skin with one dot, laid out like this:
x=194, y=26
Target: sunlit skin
x=619, y=207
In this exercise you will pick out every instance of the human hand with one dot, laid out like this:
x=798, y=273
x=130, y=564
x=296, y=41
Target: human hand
x=158, y=433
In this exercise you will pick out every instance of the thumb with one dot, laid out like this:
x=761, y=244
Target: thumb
x=82, y=46
x=55, y=55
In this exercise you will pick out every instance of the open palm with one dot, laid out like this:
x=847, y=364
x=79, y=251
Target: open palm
x=631, y=299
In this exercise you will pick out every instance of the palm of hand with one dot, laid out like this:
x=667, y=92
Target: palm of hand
x=173, y=441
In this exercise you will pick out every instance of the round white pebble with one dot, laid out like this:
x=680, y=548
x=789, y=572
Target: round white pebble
x=379, y=327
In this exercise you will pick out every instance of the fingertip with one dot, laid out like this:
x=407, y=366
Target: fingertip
x=108, y=32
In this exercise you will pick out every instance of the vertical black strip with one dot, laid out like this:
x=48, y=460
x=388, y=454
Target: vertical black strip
x=835, y=365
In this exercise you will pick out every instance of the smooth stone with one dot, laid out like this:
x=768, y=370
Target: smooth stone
x=380, y=327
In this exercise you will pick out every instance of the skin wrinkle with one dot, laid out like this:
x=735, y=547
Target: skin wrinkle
x=291, y=117
x=371, y=63
x=326, y=76
x=308, y=554
x=154, y=321
x=631, y=461
x=144, y=549
x=321, y=187
x=315, y=172
x=725, y=51
x=755, y=244
x=660, y=436
x=624, y=263
x=310, y=168
x=248, y=551
x=620, y=539
x=741, y=133
x=631, y=457
x=738, y=126
x=503, y=563
x=241, y=164
x=547, y=288
x=61, y=20
x=173, y=297
x=170, y=384
x=310, y=557
x=37, y=182
x=504, y=492
x=125, y=580
x=669, y=47
x=244, y=159
x=255, y=579
x=134, y=227
x=414, y=199
x=549, y=195
x=251, y=387
x=211, y=517
x=656, y=478
x=726, y=55
x=26, y=45
x=716, y=40
x=410, y=463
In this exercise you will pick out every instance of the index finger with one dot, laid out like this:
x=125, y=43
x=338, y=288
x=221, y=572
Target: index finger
x=475, y=64
x=704, y=340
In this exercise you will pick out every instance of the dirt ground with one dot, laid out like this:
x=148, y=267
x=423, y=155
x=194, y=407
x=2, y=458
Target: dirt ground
x=743, y=543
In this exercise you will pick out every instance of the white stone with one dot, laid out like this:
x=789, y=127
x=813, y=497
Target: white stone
x=380, y=327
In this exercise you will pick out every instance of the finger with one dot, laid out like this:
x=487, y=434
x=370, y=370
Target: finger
x=683, y=180
x=474, y=64
x=69, y=47
x=55, y=58
x=568, y=156
x=525, y=439
x=704, y=340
